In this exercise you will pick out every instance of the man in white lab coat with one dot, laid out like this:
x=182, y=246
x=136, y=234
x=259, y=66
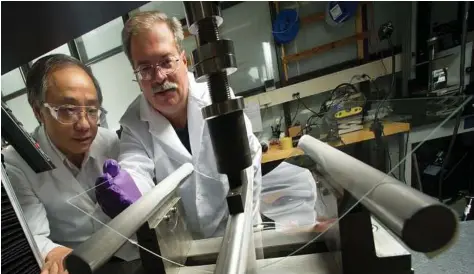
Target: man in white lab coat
x=164, y=128
x=64, y=98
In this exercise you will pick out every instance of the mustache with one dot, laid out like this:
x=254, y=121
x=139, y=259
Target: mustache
x=165, y=86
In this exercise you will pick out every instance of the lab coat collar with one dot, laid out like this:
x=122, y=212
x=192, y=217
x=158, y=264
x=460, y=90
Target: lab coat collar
x=160, y=127
x=61, y=173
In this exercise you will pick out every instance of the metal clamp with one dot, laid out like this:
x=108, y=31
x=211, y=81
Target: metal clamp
x=214, y=57
x=222, y=108
x=172, y=215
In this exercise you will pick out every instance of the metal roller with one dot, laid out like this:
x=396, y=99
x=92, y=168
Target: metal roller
x=93, y=253
x=421, y=222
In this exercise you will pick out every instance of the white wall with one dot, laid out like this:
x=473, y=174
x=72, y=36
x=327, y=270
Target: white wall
x=115, y=76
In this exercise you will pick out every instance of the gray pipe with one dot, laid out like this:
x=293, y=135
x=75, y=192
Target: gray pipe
x=421, y=222
x=237, y=254
x=99, y=248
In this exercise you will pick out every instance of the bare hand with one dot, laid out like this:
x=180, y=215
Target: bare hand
x=54, y=260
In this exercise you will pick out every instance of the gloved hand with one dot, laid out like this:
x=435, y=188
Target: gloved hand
x=115, y=189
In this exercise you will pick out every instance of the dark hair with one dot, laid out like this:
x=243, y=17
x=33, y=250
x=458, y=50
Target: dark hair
x=37, y=78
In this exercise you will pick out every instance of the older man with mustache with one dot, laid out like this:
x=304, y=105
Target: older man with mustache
x=164, y=128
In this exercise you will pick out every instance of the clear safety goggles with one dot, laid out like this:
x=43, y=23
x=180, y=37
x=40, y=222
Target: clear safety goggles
x=70, y=114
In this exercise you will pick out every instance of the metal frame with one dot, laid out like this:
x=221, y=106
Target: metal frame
x=24, y=69
x=73, y=50
x=21, y=218
x=406, y=49
x=104, y=55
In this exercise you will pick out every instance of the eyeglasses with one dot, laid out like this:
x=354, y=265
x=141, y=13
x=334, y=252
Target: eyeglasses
x=70, y=114
x=147, y=72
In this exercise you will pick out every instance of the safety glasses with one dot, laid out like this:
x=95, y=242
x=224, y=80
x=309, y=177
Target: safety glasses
x=148, y=72
x=70, y=114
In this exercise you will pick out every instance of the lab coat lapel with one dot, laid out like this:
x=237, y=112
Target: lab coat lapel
x=64, y=176
x=164, y=132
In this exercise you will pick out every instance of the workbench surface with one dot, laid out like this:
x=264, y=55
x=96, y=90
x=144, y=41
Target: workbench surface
x=365, y=134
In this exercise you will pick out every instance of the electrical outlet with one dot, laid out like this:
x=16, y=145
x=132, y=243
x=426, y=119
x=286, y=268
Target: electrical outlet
x=295, y=95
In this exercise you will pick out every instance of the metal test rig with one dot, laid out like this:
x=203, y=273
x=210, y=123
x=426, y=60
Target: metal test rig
x=398, y=212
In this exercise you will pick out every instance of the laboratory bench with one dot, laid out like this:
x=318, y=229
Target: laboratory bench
x=365, y=134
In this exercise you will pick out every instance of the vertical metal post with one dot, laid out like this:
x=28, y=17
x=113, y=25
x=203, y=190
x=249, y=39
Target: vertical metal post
x=406, y=48
x=462, y=65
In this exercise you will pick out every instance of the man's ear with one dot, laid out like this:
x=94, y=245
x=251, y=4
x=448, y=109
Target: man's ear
x=183, y=57
x=38, y=114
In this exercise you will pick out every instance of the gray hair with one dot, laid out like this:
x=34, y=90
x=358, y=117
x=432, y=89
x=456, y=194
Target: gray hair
x=38, y=76
x=144, y=21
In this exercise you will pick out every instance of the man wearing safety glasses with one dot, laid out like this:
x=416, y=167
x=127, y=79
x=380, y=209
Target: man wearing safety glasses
x=65, y=98
x=164, y=128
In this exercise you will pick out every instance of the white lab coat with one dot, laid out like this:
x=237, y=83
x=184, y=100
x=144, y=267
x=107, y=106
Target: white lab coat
x=150, y=147
x=44, y=196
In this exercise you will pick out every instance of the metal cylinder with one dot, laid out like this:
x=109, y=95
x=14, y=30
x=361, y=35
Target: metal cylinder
x=99, y=248
x=215, y=57
x=230, y=142
x=421, y=222
x=197, y=11
x=237, y=253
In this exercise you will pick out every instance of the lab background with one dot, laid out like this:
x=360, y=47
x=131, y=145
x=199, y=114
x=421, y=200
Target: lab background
x=399, y=63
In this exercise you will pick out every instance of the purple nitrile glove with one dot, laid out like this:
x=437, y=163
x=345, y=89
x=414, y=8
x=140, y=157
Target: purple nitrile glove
x=115, y=189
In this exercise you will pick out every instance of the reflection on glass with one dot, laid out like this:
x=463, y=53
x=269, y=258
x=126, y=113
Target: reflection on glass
x=102, y=39
x=12, y=81
x=22, y=111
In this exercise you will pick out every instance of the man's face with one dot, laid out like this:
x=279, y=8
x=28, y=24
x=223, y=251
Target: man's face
x=69, y=87
x=167, y=93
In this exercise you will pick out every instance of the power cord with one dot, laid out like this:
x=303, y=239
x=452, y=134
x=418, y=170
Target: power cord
x=304, y=105
x=385, y=32
x=296, y=113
